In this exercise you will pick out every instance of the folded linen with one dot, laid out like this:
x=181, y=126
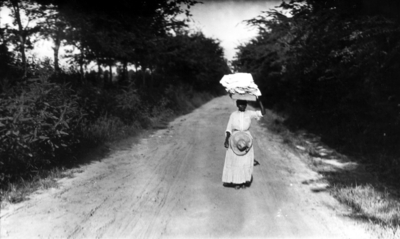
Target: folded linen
x=240, y=83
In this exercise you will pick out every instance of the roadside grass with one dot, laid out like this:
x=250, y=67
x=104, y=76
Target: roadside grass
x=372, y=202
x=110, y=128
x=373, y=205
x=18, y=192
x=105, y=131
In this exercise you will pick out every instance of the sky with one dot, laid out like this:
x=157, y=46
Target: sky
x=223, y=20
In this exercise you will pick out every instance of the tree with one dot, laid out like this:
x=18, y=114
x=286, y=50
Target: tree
x=336, y=71
x=124, y=32
x=193, y=59
x=6, y=58
x=21, y=36
x=53, y=26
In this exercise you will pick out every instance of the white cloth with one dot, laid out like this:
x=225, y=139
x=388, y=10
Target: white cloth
x=241, y=83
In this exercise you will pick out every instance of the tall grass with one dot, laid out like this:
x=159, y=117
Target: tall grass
x=379, y=208
x=372, y=204
x=371, y=200
x=108, y=128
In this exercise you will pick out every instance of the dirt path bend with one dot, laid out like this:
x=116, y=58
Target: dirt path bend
x=169, y=186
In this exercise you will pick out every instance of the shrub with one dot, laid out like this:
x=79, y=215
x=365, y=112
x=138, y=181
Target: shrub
x=130, y=108
x=43, y=122
x=37, y=122
x=108, y=128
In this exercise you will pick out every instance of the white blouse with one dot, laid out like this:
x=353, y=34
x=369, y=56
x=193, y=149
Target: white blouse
x=241, y=121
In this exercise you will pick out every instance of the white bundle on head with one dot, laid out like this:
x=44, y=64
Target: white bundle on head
x=240, y=83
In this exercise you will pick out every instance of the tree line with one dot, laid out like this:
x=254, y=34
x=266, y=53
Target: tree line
x=150, y=66
x=139, y=34
x=333, y=67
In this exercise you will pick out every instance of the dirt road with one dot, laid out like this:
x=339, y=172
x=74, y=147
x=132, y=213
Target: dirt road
x=169, y=186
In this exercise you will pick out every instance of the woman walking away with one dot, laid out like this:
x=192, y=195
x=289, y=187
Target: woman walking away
x=239, y=158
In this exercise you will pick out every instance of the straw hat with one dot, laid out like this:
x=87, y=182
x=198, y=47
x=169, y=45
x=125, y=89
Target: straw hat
x=240, y=143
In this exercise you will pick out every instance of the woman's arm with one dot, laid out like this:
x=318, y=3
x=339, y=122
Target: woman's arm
x=228, y=135
x=228, y=131
x=261, y=106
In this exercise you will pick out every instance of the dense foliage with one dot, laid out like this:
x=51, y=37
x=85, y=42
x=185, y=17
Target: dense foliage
x=334, y=68
x=149, y=67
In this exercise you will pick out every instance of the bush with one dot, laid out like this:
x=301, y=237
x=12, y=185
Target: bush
x=45, y=121
x=37, y=123
x=108, y=128
x=130, y=107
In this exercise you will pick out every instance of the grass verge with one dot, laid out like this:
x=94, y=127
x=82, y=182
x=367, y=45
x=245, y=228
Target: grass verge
x=20, y=191
x=373, y=202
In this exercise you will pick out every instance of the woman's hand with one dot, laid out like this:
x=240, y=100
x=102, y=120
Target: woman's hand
x=226, y=144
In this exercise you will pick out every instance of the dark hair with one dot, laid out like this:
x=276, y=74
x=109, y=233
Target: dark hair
x=241, y=102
